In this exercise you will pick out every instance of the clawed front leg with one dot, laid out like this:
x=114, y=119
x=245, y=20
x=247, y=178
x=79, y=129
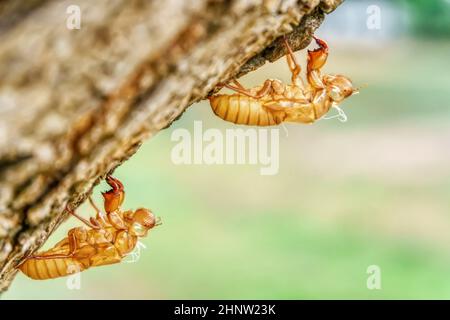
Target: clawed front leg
x=316, y=60
x=114, y=197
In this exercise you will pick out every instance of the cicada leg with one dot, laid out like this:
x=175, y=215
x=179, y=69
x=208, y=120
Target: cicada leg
x=240, y=89
x=98, y=213
x=91, y=224
x=316, y=60
x=293, y=65
x=93, y=205
x=72, y=248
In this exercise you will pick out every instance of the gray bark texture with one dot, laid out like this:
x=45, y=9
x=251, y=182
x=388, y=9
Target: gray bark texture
x=76, y=103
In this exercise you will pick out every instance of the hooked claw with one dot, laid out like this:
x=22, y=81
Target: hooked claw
x=114, y=197
x=114, y=183
x=322, y=44
x=317, y=57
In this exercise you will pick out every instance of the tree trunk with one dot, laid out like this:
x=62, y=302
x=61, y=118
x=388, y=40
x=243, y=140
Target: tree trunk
x=76, y=103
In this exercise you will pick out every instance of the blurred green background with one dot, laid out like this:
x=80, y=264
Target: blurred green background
x=371, y=191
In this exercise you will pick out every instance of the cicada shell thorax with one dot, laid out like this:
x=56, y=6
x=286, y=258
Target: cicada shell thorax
x=302, y=106
x=125, y=242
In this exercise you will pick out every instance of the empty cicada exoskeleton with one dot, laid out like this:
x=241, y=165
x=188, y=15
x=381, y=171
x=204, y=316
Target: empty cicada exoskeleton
x=275, y=102
x=110, y=236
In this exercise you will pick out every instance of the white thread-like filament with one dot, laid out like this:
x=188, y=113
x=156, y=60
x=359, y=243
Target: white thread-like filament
x=342, y=117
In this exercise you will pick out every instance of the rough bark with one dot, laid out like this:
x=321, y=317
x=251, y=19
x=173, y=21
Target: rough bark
x=75, y=104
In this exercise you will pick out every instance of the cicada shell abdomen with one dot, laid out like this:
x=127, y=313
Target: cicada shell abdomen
x=42, y=269
x=241, y=109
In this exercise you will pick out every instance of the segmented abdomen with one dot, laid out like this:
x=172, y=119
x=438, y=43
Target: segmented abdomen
x=41, y=269
x=241, y=109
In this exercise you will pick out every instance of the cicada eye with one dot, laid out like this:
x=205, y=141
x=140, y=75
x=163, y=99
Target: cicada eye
x=335, y=93
x=138, y=228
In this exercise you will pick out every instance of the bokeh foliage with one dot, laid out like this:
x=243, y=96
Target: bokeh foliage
x=430, y=18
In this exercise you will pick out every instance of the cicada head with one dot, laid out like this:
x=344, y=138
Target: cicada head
x=339, y=87
x=140, y=221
